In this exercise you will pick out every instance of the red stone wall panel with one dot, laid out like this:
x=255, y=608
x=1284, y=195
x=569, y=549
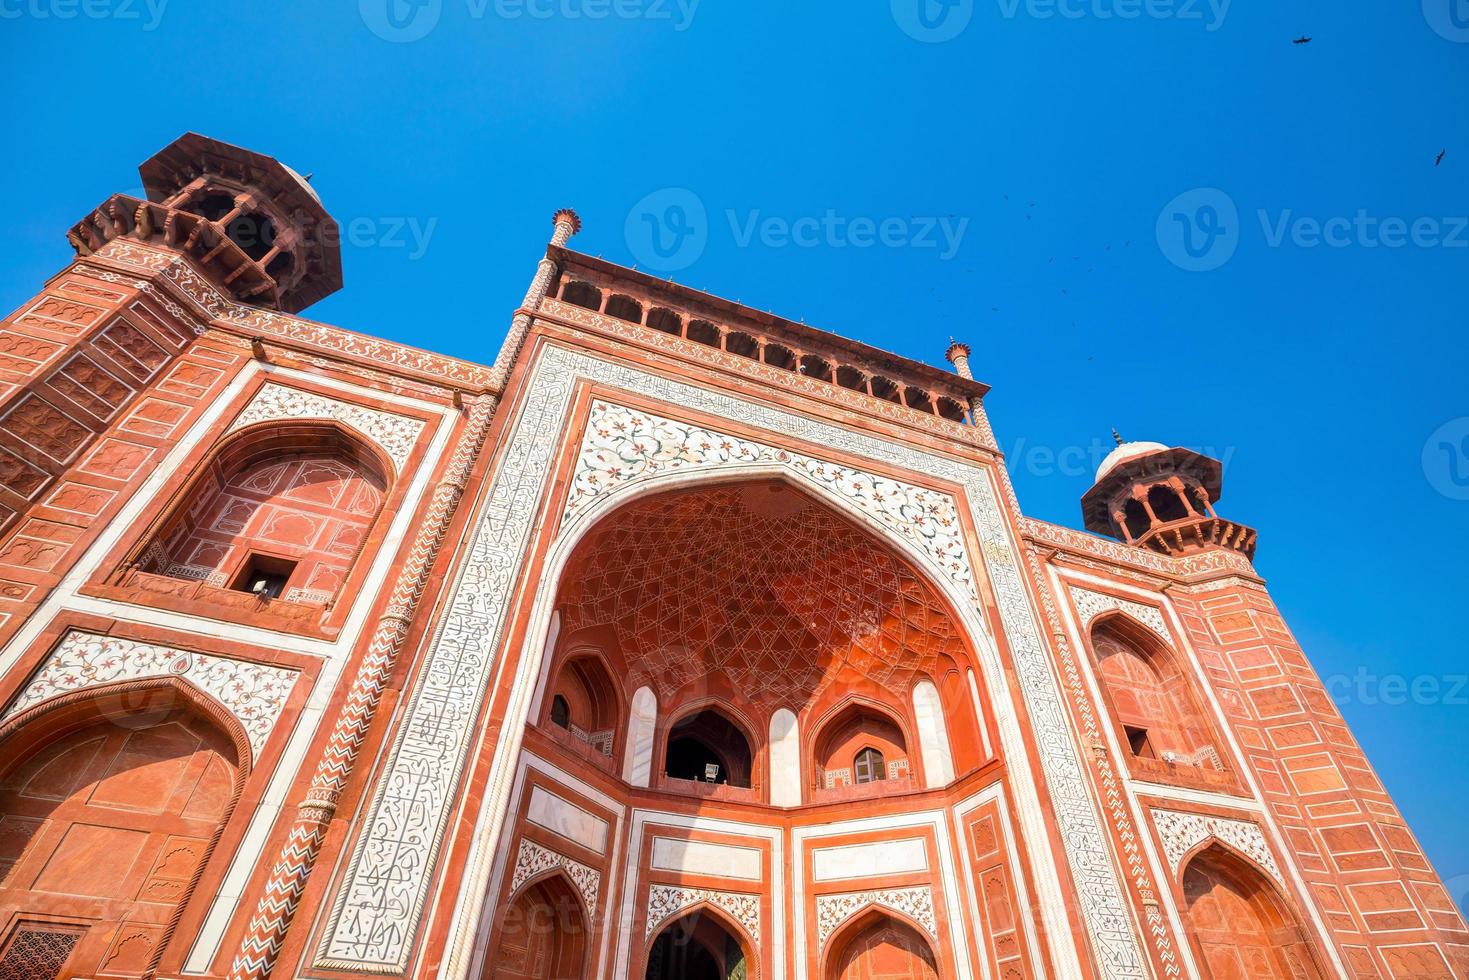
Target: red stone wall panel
x=1373, y=885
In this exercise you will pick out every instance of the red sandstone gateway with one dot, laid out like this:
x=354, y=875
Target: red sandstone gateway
x=682, y=641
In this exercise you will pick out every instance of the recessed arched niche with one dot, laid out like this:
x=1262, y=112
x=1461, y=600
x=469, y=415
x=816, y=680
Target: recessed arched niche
x=861, y=749
x=1159, y=714
x=743, y=613
x=1242, y=925
x=699, y=946
x=280, y=513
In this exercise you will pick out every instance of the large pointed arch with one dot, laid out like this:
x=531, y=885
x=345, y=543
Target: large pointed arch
x=880, y=944
x=120, y=795
x=562, y=540
x=245, y=513
x=1239, y=921
x=1153, y=698
x=546, y=932
x=702, y=923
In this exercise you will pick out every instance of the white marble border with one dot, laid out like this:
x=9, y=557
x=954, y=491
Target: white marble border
x=67, y=597
x=480, y=600
x=944, y=873
x=254, y=694
x=835, y=911
x=395, y=435
x=1062, y=579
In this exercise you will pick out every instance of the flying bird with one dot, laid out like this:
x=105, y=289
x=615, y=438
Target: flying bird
x=1441, y=155
x=1305, y=39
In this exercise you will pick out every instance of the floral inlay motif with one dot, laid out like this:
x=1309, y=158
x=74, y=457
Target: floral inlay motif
x=624, y=445
x=533, y=859
x=1091, y=604
x=915, y=903
x=665, y=902
x=394, y=433
x=254, y=693
x=1182, y=832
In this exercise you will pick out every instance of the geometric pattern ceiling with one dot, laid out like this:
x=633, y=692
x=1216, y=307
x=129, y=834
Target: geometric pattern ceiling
x=758, y=585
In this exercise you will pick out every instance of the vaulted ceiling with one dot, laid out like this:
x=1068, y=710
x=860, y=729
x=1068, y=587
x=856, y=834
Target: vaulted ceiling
x=759, y=583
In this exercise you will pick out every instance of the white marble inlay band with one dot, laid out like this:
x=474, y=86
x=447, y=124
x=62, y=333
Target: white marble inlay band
x=389, y=873
x=254, y=694
x=394, y=434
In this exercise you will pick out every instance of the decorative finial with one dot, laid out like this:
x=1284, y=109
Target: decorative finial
x=566, y=214
x=1116, y=435
x=956, y=350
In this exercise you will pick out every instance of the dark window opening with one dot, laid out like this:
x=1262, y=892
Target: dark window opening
x=1137, y=742
x=697, y=948
x=781, y=357
x=214, y=205
x=743, y=344
x=666, y=321
x=560, y=712
x=624, y=308
x=703, y=332
x=886, y=390
x=708, y=748
x=851, y=378
x=280, y=266
x=918, y=398
x=1136, y=518
x=253, y=233
x=951, y=410
x=581, y=294
x=1167, y=504
x=869, y=767
x=264, y=576
x=816, y=367
x=689, y=758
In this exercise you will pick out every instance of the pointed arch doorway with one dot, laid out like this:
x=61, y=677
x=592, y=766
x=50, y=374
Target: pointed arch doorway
x=879, y=947
x=698, y=947
x=1242, y=925
x=543, y=935
x=110, y=805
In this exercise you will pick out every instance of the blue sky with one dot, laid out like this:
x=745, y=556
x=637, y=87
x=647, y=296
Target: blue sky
x=1128, y=188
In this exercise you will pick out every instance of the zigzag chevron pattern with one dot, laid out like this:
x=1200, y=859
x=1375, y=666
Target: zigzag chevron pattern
x=1117, y=807
x=261, y=945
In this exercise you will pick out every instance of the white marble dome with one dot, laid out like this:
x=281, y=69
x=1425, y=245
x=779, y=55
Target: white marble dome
x=1125, y=452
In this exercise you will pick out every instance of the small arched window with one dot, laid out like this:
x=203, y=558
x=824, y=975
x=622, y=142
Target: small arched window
x=869, y=767
x=560, y=712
